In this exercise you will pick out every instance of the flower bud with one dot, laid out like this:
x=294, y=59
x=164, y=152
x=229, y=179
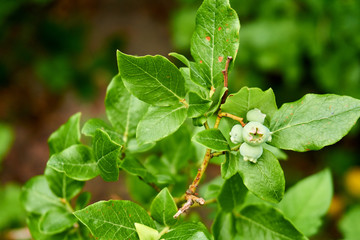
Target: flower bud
x=236, y=134
x=254, y=133
x=251, y=153
x=255, y=115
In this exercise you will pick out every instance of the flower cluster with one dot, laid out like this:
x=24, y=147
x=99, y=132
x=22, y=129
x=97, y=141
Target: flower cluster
x=252, y=136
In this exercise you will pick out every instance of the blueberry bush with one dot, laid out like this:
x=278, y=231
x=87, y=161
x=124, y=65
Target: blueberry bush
x=164, y=126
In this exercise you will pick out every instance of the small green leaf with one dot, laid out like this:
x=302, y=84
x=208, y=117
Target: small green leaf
x=163, y=208
x=265, y=222
x=33, y=224
x=224, y=227
x=93, y=124
x=314, y=121
x=146, y=233
x=278, y=153
x=37, y=196
x=135, y=167
x=212, y=138
x=231, y=165
x=67, y=135
x=188, y=231
x=211, y=189
x=82, y=200
x=123, y=109
x=106, y=154
x=61, y=185
x=152, y=79
x=6, y=139
x=308, y=201
x=249, y=98
x=216, y=36
x=197, y=105
x=216, y=100
x=232, y=194
x=56, y=221
x=160, y=122
x=349, y=224
x=77, y=162
x=114, y=219
x=265, y=178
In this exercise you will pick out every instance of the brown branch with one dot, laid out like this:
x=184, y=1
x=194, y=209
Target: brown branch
x=216, y=154
x=226, y=76
x=200, y=173
x=229, y=115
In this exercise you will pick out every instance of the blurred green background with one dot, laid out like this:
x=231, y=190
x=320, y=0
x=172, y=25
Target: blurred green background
x=57, y=57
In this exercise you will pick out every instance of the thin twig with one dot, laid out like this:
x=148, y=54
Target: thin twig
x=229, y=115
x=226, y=77
x=216, y=154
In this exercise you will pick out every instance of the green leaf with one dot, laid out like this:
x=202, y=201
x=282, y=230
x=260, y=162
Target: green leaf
x=249, y=98
x=349, y=224
x=134, y=147
x=56, y=221
x=224, y=227
x=33, y=224
x=38, y=198
x=77, y=162
x=6, y=139
x=278, y=153
x=314, y=121
x=231, y=165
x=265, y=222
x=163, y=208
x=67, y=135
x=216, y=36
x=135, y=167
x=152, y=79
x=232, y=194
x=82, y=200
x=197, y=105
x=61, y=185
x=216, y=100
x=308, y=201
x=123, y=109
x=93, y=124
x=106, y=154
x=114, y=219
x=188, y=231
x=265, y=178
x=146, y=233
x=212, y=138
x=160, y=122
x=211, y=189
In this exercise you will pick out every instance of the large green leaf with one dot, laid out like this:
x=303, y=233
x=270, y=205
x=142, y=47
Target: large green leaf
x=56, y=221
x=114, y=219
x=314, y=121
x=123, y=109
x=263, y=222
x=188, y=231
x=163, y=208
x=215, y=38
x=160, y=122
x=106, y=154
x=249, y=98
x=152, y=79
x=76, y=162
x=61, y=185
x=265, y=178
x=231, y=165
x=223, y=227
x=33, y=225
x=308, y=201
x=67, y=135
x=349, y=224
x=93, y=124
x=37, y=196
x=232, y=194
x=213, y=139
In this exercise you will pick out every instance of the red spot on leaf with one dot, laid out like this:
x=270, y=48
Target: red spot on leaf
x=208, y=38
x=201, y=61
x=307, y=149
x=129, y=215
x=220, y=59
x=227, y=40
x=219, y=28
